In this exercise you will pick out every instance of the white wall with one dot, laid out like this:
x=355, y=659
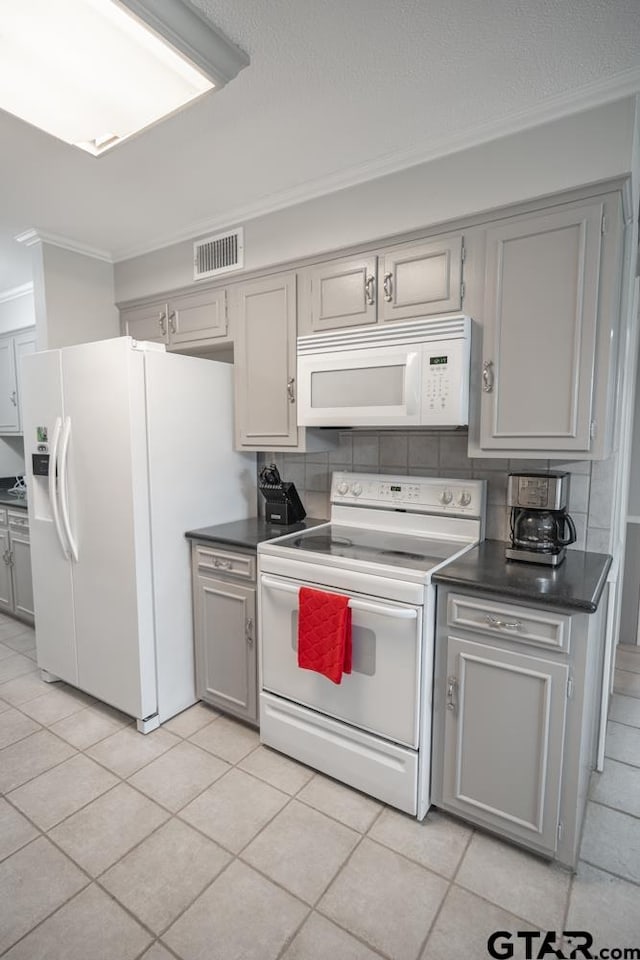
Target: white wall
x=580, y=149
x=74, y=297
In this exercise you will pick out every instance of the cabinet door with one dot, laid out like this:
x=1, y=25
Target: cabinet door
x=21, y=572
x=25, y=343
x=540, y=325
x=265, y=362
x=6, y=596
x=503, y=739
x=9, y=418
x=343, y=293
x=225, y=633
x=147, y=322
x=197, y=317
x=420, y=279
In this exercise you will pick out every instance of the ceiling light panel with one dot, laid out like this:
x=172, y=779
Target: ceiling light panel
x=91, y=73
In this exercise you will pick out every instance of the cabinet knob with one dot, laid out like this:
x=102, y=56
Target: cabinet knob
x=290, y=394
x=162, y=318
x=13, y=399
x=223, y=564
x=387, y=287
x=172, y=321
x=249, y=631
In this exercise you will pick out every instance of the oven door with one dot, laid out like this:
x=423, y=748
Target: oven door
x=357, y=388
x=381, y=694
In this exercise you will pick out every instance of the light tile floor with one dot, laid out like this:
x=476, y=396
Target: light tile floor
x=198, y=843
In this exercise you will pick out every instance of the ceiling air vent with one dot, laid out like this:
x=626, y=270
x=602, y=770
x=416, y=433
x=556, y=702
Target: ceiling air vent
x=219, y=254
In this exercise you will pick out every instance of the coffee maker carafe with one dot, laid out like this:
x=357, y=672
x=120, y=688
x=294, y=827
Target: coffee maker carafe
x=541, y=528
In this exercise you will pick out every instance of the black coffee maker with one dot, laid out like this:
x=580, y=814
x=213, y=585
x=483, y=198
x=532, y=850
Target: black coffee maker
x=541, y=528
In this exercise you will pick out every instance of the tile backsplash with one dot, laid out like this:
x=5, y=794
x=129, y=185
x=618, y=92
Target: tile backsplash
x=444, y=454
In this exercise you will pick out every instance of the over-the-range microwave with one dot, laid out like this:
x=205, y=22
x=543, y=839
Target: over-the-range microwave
x=413, y=374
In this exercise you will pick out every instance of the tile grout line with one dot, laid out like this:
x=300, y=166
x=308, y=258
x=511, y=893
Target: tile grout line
x=611, y=873
x=451, y=883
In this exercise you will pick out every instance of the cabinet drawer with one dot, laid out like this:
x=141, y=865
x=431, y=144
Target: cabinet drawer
x=223, y=561
x=539, y=627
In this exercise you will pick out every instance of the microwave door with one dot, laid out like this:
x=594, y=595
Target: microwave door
x=359, y=388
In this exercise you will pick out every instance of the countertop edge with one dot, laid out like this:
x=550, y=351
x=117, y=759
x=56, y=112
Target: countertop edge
x=463, y=580
x=577, y=606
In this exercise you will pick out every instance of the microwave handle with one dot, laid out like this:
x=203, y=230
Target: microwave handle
x=400, y=613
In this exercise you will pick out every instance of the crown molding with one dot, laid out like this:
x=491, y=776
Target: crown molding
x=624, y=84
x=15, y=292
x=31, y=237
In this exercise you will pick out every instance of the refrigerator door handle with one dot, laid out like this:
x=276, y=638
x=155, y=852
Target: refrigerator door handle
x=64, y=493
x=53, y=497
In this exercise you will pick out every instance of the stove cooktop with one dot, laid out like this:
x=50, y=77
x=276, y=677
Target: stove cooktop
x=374, y=546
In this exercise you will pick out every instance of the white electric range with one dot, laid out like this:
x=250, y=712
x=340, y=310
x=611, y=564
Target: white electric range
x=386, y=536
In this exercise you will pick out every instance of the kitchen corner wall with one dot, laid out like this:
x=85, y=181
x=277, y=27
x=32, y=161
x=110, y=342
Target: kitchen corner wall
x=439, y=454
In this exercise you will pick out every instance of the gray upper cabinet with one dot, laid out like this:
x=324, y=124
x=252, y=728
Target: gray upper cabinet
x=197, y=318
x=548, y=341
x=12, y=349
x=343, y=293
x=418, y=280
x=264, y=317
x=146, y=322
x=397, y=283
x=185, y=322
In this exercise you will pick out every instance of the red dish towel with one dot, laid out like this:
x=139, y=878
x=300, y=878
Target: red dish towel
x=324, y=633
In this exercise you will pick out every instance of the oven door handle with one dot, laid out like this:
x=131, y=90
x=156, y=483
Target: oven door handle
x=399, y=613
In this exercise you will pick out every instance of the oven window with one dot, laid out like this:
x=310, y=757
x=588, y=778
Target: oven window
x=359, y=387
x=363, y=659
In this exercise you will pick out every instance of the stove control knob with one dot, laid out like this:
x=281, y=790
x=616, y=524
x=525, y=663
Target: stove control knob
x=356, y=489
x=445, y=497
x=343, y=488
x=464, y=499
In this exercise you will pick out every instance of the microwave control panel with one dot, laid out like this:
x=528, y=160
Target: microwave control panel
x=445, y=383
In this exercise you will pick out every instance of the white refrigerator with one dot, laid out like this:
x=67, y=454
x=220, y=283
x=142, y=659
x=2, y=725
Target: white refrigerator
x=126, y=448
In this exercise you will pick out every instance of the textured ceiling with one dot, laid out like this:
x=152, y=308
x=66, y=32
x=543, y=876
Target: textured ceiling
x=336, y=92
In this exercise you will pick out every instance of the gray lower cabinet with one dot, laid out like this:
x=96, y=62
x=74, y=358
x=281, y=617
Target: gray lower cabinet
x=16, y=583
x=515, y=703
x=504, y=730
x=224, y=599
x=549, y=329
x=6, y=594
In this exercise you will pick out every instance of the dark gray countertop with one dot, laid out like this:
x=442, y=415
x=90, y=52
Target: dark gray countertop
x=577, y=584
x=10, y=500
x=249, y=533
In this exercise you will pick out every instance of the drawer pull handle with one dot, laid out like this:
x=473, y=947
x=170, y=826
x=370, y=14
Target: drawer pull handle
x=222, y=564
x=249, y=631
x=452, y=683
x=503, y=624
